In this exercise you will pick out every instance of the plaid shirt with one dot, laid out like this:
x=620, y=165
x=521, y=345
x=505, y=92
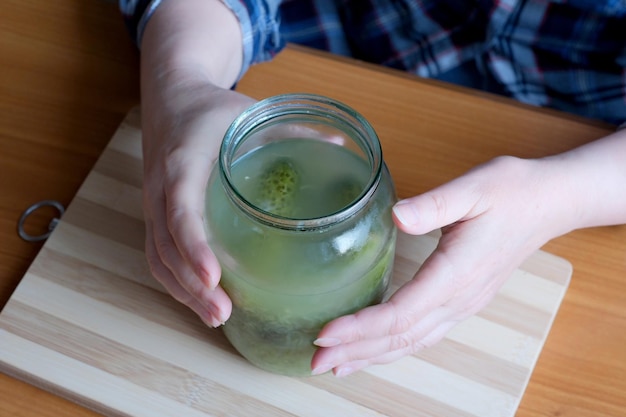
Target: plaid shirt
x=565, y=54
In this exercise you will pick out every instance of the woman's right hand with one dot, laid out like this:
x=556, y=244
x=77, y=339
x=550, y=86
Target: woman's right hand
x=182, y=134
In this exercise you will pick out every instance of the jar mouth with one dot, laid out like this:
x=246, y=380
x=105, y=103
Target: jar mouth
x=323, y=112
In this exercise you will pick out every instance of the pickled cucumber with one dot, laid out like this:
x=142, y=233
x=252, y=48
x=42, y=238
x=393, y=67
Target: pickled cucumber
x=285, y=284
x=345, y=191
x=278, y=187
x=277, y=337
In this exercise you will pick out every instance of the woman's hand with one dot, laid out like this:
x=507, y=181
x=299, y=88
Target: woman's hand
x=181, y=144
x=191, y=55
x=492, y=218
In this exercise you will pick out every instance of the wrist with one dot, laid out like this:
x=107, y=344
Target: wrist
x=534, y=194
x=555, y=190
x=588, y=183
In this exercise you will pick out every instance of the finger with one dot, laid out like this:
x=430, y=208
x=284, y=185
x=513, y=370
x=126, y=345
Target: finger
x=185, y=182
x=367, y=348
x=212, y=306
x=370, y=322
x=411, y=313
x=454, y=201
x=427, y=341
x=175, y=272
x=433, y=286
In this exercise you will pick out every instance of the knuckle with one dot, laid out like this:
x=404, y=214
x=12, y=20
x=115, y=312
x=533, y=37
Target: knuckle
x=155, y=263
x=174, y=216
x=421, y=345
x=165, y=249
x=174, y=157
x=402, y=318
x=352, y=322
x=402, y=323
x=440, y=204
x=174, y=162
x=402, y=341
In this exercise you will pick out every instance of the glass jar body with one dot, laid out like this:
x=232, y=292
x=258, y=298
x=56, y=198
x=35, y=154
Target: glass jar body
x=289, y=274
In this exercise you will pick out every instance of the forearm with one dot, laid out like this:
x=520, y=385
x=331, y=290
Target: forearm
x=200, y=37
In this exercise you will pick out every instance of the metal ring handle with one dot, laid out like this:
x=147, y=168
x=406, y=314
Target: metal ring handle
x=20, y=225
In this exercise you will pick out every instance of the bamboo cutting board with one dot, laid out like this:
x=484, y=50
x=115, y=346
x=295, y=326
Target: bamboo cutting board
x=89, y=323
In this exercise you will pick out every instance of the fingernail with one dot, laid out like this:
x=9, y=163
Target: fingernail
x=326, y=342
x=405, y=212
x=212, y=321
x=322, y=369
x=344, y=371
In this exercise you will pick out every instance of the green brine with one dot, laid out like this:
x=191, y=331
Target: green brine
x=298, y=214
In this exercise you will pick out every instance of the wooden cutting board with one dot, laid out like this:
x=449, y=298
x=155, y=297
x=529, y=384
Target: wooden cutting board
x=89, y=323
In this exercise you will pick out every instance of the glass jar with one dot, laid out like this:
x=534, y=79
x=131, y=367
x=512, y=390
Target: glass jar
x=298, y=213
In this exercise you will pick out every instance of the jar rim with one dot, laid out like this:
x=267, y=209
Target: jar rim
x=264, y=111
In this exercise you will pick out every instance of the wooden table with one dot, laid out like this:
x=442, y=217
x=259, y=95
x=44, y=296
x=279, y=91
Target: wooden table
x=69, y=76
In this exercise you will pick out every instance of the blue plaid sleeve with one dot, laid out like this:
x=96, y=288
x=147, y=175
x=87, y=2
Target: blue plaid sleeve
x=260, y=28
x=136, y=14
x=259, y=21
x=569, y=56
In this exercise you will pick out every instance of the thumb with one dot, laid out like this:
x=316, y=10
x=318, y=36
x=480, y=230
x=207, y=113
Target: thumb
x=455, y=201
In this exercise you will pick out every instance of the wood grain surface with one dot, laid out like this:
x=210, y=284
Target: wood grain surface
x=69, y=75
x=59, y=59
x=90, y=323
